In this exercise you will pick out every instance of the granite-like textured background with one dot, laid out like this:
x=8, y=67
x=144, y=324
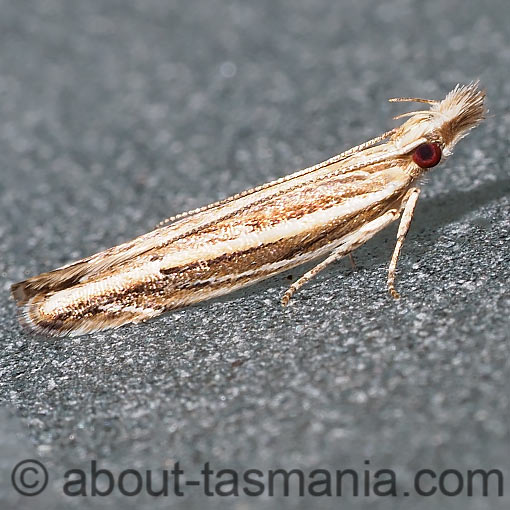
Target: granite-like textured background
x=117, y=113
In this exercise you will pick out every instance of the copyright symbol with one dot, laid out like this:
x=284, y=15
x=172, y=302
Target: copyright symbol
x=29, y=477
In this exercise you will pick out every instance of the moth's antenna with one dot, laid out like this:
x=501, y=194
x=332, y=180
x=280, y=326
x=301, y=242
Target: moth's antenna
x=412, y=100
x=409, y=114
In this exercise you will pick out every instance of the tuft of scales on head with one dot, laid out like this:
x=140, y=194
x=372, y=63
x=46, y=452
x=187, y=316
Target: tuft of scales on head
x=460, y=111
x=447, y=121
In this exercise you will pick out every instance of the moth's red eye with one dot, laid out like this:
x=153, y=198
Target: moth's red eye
x=427, y=155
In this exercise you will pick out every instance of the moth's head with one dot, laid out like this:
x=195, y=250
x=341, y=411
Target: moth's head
x=432, y=134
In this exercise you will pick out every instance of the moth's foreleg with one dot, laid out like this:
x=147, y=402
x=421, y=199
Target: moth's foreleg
x=350, y=243
x=405, y=222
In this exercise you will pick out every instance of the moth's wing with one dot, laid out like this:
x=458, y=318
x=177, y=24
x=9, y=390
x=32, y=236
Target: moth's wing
x=81, y=270
x=65, y=276
x=89, y=267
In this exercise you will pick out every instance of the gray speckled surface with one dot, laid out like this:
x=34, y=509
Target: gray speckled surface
x=116, y=114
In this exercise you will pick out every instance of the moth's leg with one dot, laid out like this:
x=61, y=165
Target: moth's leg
x=351, y=242
x=405, y=222
x=353, y=263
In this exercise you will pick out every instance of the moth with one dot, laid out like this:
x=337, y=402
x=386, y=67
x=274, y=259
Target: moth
x=327, y=210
